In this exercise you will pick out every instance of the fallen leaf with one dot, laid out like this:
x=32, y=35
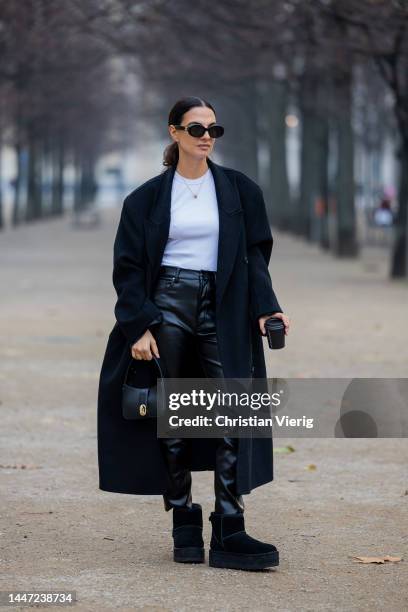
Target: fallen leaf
x=284, y=449
x=311, y=467
x=377, y=559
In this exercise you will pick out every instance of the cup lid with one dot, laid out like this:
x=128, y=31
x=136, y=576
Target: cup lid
x=274, y=322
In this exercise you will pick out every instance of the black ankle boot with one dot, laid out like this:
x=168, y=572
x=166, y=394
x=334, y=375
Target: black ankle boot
x=232, y=547
x=188, y=534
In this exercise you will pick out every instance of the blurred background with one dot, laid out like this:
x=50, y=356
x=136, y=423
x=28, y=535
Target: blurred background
x=313, y=96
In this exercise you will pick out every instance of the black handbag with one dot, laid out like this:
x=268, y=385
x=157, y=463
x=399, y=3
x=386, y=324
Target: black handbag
x=140, y=403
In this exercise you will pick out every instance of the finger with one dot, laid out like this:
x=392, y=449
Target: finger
x=154, y=348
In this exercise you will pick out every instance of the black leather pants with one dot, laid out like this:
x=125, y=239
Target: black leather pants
x=187, y=300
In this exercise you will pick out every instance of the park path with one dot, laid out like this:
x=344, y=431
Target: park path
x=59, y=531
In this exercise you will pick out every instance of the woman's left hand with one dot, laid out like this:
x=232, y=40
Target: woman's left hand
x=277, y=315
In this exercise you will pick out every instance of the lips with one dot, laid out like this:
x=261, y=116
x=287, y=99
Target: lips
x=204, y=146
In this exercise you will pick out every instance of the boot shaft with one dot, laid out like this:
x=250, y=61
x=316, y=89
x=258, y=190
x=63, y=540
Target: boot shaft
x=188, y=526
x=224, y=525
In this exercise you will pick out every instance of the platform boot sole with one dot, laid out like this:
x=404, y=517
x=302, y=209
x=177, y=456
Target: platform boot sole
x=189, y=554
x=219, y=558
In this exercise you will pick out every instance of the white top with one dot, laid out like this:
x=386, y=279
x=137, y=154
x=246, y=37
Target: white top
x=194, y=224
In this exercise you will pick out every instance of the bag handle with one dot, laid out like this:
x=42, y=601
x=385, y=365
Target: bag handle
x=156, y=361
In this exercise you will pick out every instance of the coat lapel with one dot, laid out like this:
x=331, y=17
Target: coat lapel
x=157, y=225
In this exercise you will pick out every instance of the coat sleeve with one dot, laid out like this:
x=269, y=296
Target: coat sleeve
x=263, y=300
x=134, y=311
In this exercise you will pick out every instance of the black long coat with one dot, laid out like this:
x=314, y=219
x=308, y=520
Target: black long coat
x=130, y=460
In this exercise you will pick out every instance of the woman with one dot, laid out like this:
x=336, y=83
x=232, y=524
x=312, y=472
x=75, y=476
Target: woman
x=191, y=258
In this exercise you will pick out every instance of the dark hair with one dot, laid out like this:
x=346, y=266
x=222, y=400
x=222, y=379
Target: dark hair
x=171, y=152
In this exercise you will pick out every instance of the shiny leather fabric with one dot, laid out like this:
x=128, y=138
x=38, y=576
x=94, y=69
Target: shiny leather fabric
x=227, y=501
x=186, y=299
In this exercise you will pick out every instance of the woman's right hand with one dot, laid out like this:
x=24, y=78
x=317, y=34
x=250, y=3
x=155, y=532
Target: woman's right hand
x=145, y=346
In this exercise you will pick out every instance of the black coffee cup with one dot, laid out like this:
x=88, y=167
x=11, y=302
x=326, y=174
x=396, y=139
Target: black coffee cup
x=275, y=332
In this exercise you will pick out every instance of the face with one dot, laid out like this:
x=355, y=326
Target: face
x=198, y=148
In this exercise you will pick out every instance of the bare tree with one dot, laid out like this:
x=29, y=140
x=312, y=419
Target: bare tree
x=56, y=110
x=377, y=29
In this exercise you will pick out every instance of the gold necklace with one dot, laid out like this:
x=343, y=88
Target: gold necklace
x=203, y=181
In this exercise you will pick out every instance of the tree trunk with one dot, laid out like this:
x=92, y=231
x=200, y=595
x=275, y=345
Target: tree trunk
x=77, y=183
x=275, y=104
x=1, y=185
x=346, y=243
x=314, y=155
x=57, y=202
x=88, y=182
x=399, y=264
x=240, y=149
x=34, y=196
x=249, y=134
x=18, y=184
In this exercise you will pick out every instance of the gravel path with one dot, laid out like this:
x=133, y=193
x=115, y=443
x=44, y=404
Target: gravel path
x=59, y=531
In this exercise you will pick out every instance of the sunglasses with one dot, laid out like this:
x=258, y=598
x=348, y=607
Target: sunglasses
x=197, y=130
